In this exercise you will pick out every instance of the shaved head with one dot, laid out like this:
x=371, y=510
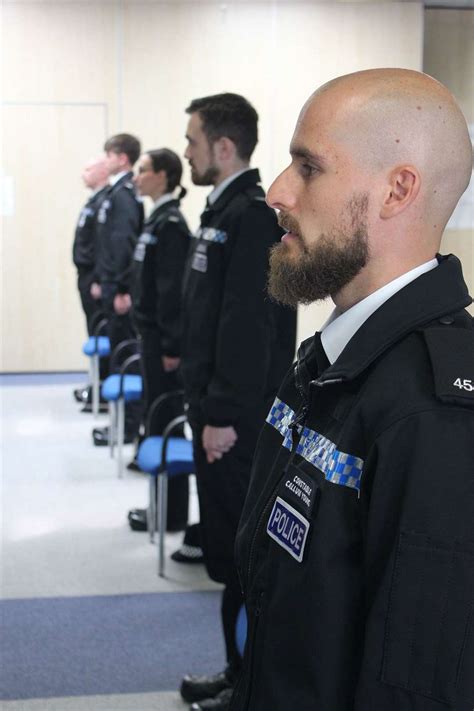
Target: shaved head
x=391, y=117
x=394, y=137
x=96, y=173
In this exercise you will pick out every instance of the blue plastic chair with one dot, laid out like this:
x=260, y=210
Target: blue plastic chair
x=118, y=389
x=241, y=630
x=163, y=456
x=96, y=347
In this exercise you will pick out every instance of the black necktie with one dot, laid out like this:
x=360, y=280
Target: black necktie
x=322, y=362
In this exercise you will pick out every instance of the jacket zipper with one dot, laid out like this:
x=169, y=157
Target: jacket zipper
x=298, y=420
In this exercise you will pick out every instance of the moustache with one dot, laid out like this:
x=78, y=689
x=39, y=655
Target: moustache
x=289, y=224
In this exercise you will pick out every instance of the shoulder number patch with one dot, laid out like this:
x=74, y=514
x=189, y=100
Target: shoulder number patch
x=464, y=384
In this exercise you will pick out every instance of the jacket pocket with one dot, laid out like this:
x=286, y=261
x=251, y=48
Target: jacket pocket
x=429, y=627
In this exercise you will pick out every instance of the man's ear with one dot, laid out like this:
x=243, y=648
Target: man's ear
x=225, y=148
x=402, y=189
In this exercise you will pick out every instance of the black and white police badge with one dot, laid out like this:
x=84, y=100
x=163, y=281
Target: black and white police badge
x=102, y=216
x=85, y=213
x=199, y=262
x=290, y=519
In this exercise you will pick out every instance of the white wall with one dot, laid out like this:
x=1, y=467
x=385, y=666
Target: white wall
x=77, y=71
x=449, y=56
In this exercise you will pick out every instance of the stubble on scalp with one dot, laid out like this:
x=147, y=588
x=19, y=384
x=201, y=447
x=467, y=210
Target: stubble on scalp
x=324, y=268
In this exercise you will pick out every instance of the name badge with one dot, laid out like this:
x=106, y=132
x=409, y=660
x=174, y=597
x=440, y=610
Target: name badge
x=139, y=253
x=288, y=528
x=300, y=490
x=102, y=216
x=85, y=213
x=199, y=262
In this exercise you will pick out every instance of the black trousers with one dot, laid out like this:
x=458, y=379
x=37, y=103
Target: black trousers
x=92, y=310
x=90, y=306
x=119, y=329
x=158, y=382
x=222, y=488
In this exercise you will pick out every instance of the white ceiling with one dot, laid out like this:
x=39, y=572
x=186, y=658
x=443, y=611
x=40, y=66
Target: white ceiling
x=453, y=4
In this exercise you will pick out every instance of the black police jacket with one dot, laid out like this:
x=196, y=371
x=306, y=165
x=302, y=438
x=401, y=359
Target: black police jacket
x=85, y=238
x=237, y=343
x=356, y=543
x=158, y=268
x=119, y=222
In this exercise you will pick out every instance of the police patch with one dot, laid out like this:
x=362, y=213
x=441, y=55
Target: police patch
x=288, y=528
x=102, y=216
x=199, y=262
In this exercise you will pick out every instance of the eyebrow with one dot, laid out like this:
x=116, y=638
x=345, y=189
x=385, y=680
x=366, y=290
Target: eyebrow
x=305, y=154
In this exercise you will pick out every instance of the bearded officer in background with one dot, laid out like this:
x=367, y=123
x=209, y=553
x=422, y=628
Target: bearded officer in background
x=237, y=346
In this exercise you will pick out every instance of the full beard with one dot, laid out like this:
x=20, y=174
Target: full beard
x=324, y=268
x=207, y=178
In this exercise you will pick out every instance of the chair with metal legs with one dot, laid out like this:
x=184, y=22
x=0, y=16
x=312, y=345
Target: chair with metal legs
x=118, y=389
x=163, y=456
x=97, y=346
x=241, y=630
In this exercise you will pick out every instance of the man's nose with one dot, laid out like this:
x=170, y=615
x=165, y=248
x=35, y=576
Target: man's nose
x=281, y=195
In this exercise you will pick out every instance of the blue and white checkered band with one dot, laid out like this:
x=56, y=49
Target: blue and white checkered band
x=280, y=417
x=210, y=234
x=337, y=467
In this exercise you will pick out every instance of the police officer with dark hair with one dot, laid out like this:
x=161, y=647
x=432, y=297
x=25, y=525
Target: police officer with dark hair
x=119, y=221
x=95, y=176
x=237, y=345
x=355, y=547
x=158, y=268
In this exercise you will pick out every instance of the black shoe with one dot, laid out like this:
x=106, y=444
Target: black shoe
x=200, y=688
x=83, y=394
x=188, y=554
x=137, y=520
x=133, y=466
x=100, y=435
x=221, y=702
x=103, y=407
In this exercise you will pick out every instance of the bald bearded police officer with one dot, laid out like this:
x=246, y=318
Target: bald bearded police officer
x=356, y=546
x=237, y=345
x=119, y=222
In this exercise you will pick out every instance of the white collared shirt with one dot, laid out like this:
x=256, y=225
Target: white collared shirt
x=115, y=178
x=161, y=201
x=217, y=192
x=339, y=328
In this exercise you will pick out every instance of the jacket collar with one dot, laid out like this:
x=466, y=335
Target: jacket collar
x=160, y=210
x=246, y=180
x=124, y=179
x=433, y=295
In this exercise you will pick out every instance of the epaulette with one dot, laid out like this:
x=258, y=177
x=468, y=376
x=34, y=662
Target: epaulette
x=451, y=351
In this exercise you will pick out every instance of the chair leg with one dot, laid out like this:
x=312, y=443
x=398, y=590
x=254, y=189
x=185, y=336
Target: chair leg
x=151, y=510
x=163, y=508
x=120, y=434
x=112, y=426
x=95, y=384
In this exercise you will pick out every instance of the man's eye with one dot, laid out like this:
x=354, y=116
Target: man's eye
x=308, y=170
